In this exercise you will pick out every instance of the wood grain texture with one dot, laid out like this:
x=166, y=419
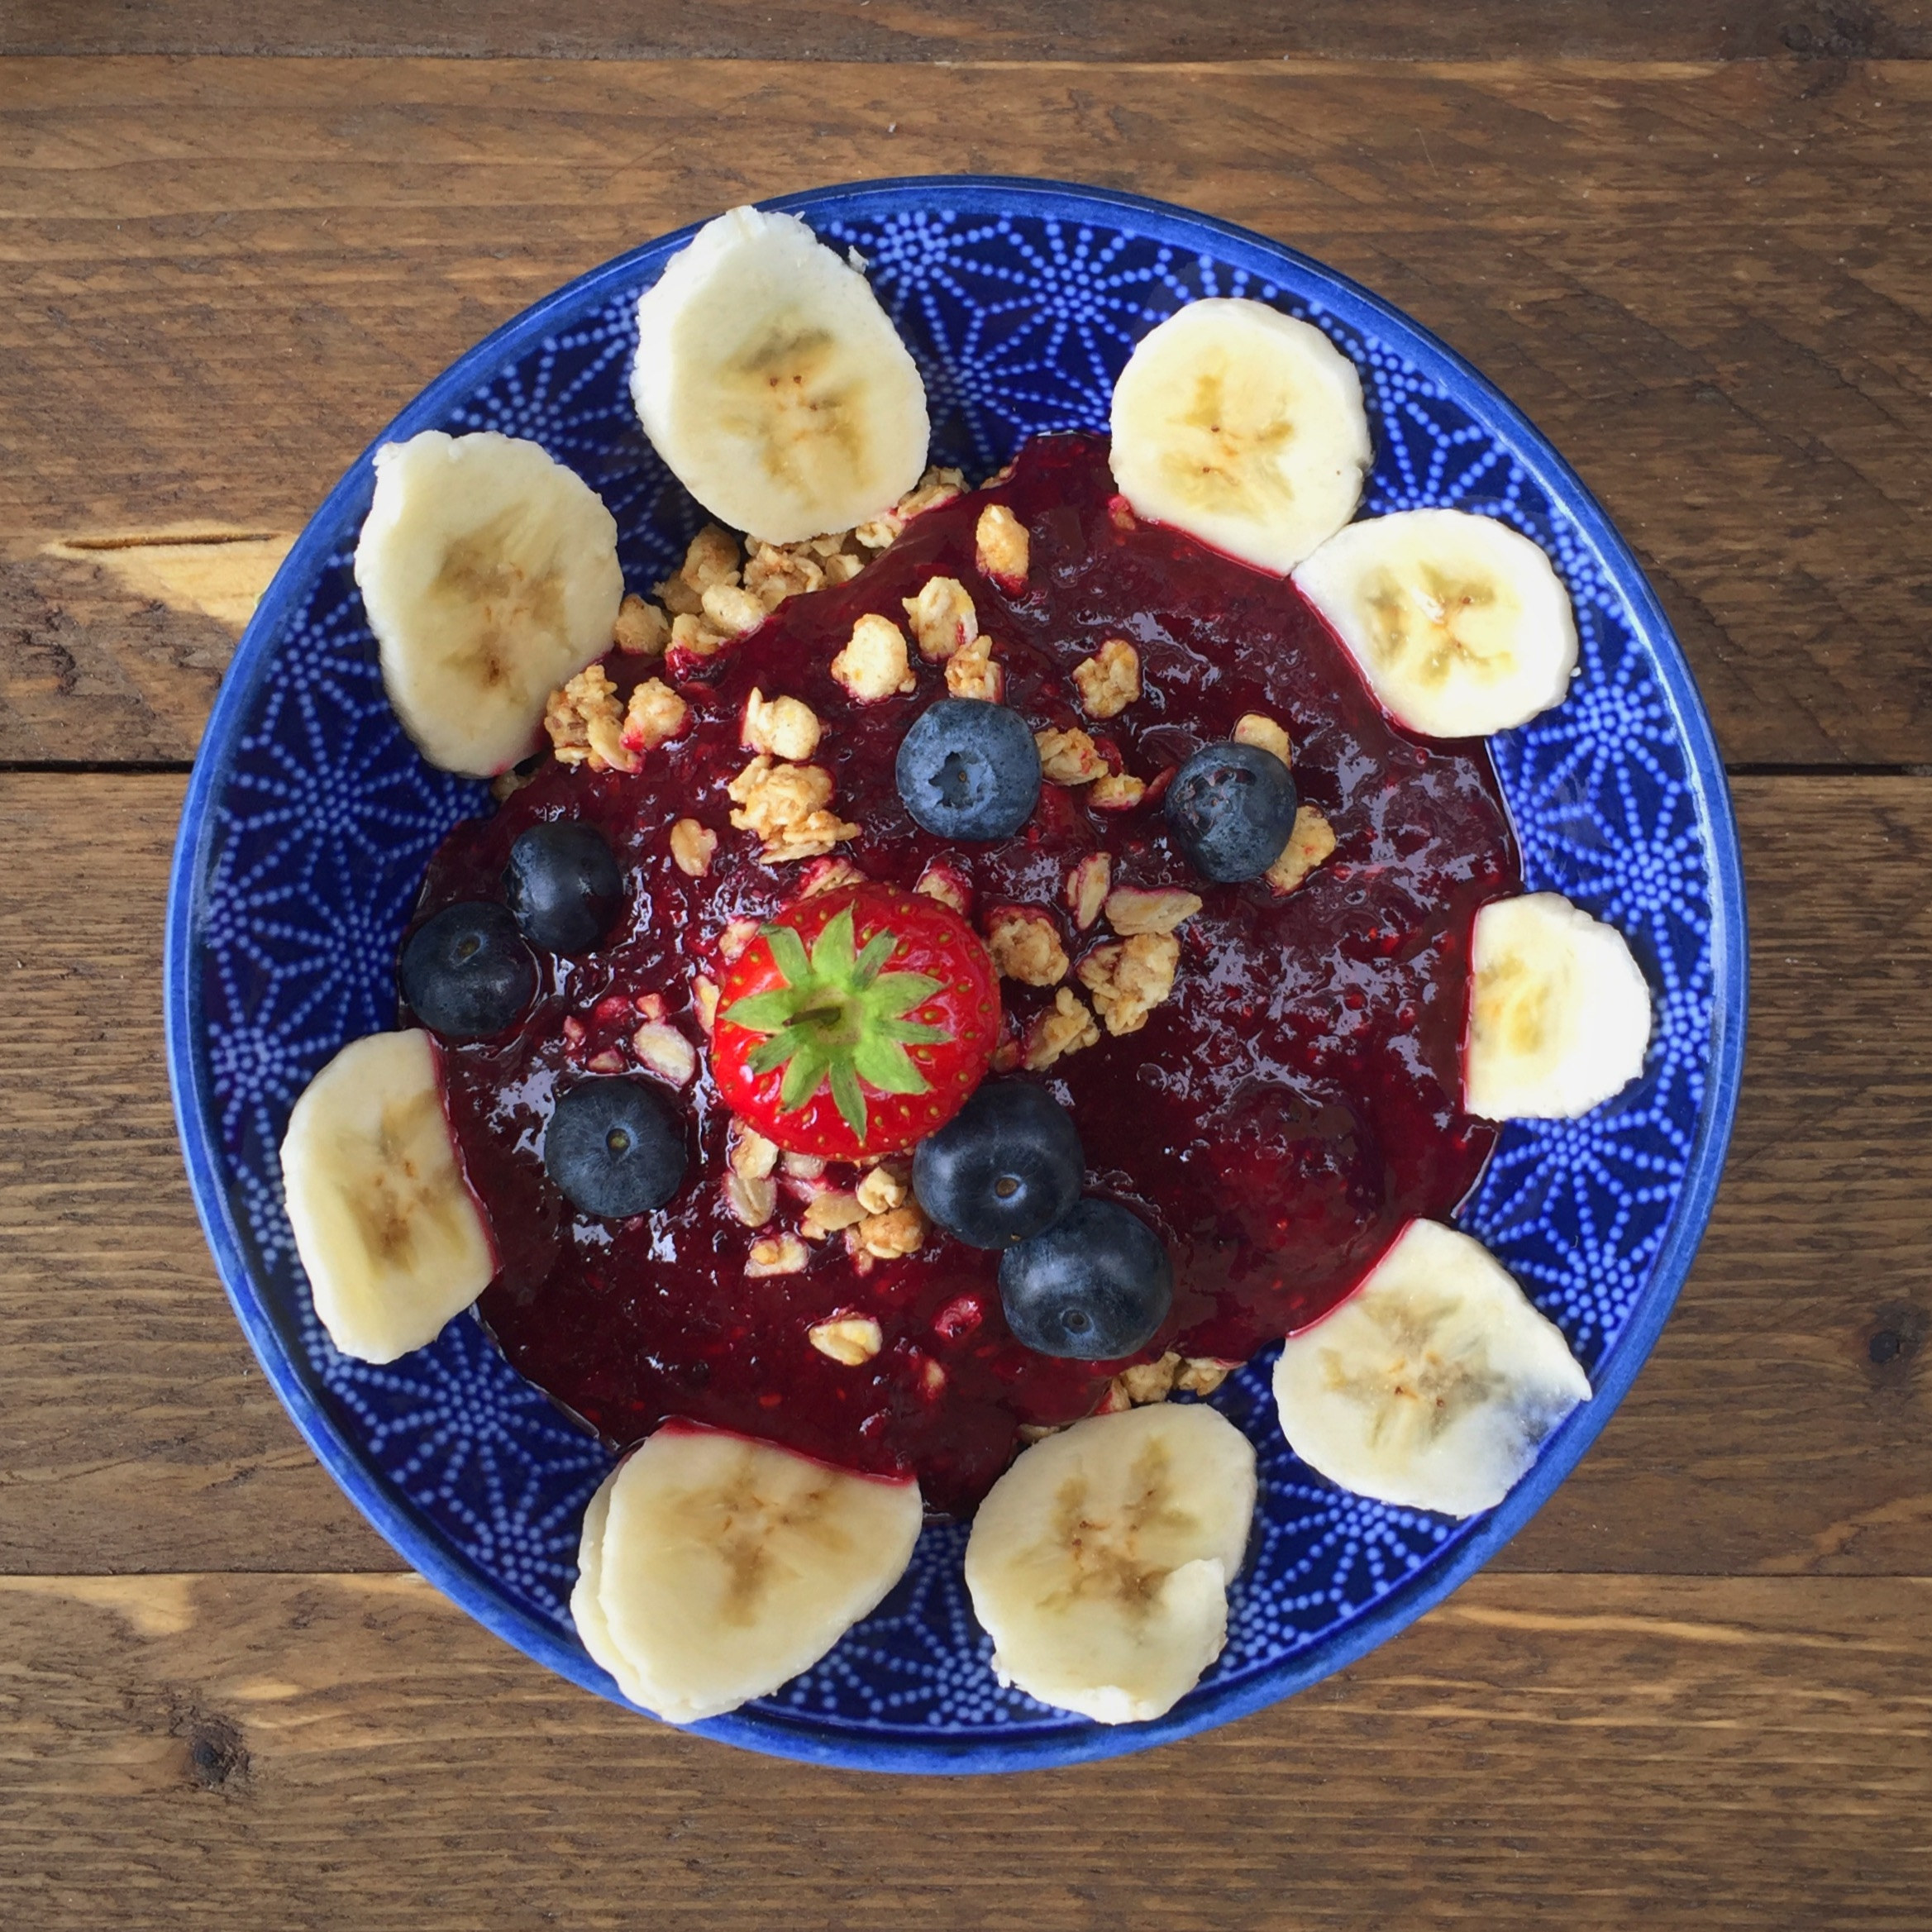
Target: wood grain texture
x=351, y=1752
x=1783, y=1424
x=218, y=278
x=999, y=30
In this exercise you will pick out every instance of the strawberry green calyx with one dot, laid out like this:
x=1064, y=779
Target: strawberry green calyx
x=837, y=1019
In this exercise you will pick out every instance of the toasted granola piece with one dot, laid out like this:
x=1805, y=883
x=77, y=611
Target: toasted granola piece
x=943, y=617
x=1135, y=909
x=875, y=663
x=1149, y=1382
x=944, y=883
x=971, y=673
x=898, y=1231
x=1128, y=980
x=1069, y=757
x=698, y=635
x=735, y=941
x=1118, y=791
x=1310, y=840
x=1024, y=942
x=775, y=572
x=1001, y=548
x=935, y=488
x=786, y=806
x=883, y=1188
x=777, y=1254
x=851, y=1340
x=736, y=612
x=1066, y=1028
x=831, y=1211
x=1257, y=728
x=661, y=1047
x=704, y=1001
x=782, y=727
x=842, y=566
x=654, y=716
x=1109, y=680
x=752, y=1198
x=712, y=557
x=692, y=846
x=642, y=629
x=1201, y=1375
x=586, y=723
x=1086, y=889
x=749, y=1152
x=828, y=875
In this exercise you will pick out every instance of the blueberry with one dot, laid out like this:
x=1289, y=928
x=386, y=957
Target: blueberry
x=1005, y=1168
x=616, y=1148
x=968, y=770
x=466, y=973
x=1230, y=809
x=1094, y=1287
x=563, y=886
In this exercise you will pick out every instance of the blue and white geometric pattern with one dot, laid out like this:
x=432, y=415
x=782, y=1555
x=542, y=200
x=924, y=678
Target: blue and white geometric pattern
x=312, y=819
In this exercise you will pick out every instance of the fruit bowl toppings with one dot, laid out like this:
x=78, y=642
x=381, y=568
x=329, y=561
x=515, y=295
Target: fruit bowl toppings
x=975, y=962
x=856, y=1023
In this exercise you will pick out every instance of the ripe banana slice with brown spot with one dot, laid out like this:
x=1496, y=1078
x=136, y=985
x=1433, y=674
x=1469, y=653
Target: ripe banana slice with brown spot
x=713, y=1568
x=1460, y=625
x=1559, y=1011
x=1243, y=428
x=489, y=573
x=393, y=1241
x=773, y=384
x=1101, y=1561
x=1432, y=1384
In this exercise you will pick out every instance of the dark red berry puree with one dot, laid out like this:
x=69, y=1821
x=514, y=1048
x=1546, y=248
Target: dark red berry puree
x=1276, y=1119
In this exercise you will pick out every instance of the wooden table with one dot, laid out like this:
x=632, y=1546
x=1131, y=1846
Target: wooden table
x=1691, y=240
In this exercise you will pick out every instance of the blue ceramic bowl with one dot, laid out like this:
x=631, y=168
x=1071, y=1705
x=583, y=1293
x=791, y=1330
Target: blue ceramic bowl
x=310, y=817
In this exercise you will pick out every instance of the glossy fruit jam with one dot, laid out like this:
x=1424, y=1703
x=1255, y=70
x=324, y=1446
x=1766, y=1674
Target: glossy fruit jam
x=1290, y=1104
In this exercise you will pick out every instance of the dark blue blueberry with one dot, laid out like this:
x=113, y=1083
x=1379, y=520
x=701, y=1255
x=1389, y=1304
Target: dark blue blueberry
x=1095, y=1286
x=466, y=973
x=968, y=770
x=1005, y=1168
x=1230, y=809
x=563, y=886
x=616, y=1148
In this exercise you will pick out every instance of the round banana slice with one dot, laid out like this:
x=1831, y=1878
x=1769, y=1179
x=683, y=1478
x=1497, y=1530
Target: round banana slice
x=1460, y=626
x=774, y=384
x=1432, y=1385
x=490, y=575
x=393, y=1241
x=722, y=1566
x=1099, y=1561
x=1559, y=1011
x=1243, y=428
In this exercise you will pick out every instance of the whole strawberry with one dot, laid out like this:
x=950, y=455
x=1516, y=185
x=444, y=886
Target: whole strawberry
x=855, y=1022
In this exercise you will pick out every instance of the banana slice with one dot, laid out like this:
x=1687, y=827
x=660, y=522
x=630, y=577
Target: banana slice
x=1559, y=1011
x=713, y=1569
x=1243, y=428
x=774, y=384
x=1460, y=626
x=1432, y=1385
x=1101, y=1561
x=393, y=1240
x=490, y=575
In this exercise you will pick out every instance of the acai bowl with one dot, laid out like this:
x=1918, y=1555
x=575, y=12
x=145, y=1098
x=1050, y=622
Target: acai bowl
x=312, y=820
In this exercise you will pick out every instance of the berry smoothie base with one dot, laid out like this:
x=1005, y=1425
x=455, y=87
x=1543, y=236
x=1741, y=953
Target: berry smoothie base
x=1277, y=1120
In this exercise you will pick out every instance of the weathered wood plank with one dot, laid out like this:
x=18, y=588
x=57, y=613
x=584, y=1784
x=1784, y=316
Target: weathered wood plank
x=221, y=276
x=1003, y=30
x=350, y=1751
x=1782, y=1425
